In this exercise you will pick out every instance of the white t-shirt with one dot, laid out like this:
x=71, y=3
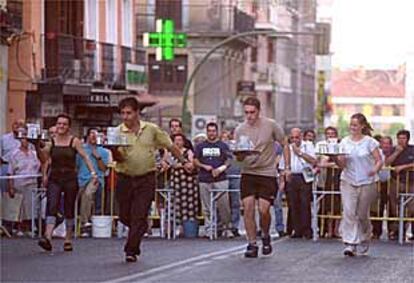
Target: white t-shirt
x=297, y=163
x=360, y=161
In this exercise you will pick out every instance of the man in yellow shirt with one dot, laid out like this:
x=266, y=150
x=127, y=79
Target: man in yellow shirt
x=136, y=168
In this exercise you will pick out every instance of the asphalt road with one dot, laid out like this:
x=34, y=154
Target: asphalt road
x=201, y=260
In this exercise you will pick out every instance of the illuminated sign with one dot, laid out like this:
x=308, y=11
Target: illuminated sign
x=164, y=40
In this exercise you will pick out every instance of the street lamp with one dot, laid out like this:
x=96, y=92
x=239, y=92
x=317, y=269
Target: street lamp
x=185, y=114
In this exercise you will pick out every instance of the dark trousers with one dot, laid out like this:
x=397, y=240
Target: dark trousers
x=378, y=210
x=134, y=195
x=299, y=202
x=53, y=194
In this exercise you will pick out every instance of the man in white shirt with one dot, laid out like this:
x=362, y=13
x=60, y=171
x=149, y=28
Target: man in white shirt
x=299, y=188
x=8, y=143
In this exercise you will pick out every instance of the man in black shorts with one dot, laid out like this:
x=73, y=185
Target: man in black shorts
x=258, y=180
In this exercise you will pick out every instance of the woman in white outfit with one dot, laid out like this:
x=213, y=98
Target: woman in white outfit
x=358, y=184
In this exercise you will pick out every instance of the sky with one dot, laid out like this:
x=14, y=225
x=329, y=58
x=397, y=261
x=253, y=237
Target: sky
x=372, y=33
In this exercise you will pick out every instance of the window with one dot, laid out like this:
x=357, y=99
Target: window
x=169, y=9
x=127, y=23
x=167, y=76
x=270, y=50
x=396, y=111
x=254, y=55
x=377, y=110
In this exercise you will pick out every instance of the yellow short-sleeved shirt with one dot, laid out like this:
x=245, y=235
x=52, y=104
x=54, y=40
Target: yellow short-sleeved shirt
x=140, y=156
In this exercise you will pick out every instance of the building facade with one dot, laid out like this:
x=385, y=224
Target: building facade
x=378, y=94
x=73, y=56
x=283, y=66
x=206, y=23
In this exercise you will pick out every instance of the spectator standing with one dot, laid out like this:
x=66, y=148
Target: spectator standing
x=136, y=169
x=23, y=161
x=278, y=203
x=211, y=157
x=176, y=127
x=89, y=187
x=384, y=178
x=328, y=180
x=184, y=184
x=309, y=135
x=358, y=184
x=8, y=143
x=402, y=177
x=299, y=188
x=233, y=174
x=258, y=179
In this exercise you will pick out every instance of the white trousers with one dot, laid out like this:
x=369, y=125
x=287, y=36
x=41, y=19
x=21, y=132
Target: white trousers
x=356, y=201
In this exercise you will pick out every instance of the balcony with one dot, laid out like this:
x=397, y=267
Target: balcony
x=79, y=60
x=204, y=19
x=11, y=19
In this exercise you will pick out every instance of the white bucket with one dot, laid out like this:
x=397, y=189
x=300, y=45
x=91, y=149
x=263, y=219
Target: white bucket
x=101, y=226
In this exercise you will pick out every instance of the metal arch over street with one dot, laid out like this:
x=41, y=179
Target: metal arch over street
x=185, y=114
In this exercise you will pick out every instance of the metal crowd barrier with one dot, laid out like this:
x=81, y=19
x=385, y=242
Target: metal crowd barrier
x=215, y=195
x=35, y=193
x=167, y=215
x=390, y=195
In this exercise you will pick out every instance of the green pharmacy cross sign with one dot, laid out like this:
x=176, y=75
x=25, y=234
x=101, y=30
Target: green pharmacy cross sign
x=165, y=40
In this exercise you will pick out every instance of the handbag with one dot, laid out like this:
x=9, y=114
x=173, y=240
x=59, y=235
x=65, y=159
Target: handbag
x=11, y=207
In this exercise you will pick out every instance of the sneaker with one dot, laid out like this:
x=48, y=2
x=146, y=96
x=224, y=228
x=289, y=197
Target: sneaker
x=20, y=234
x=251, y=251
x=229, y=234
x=45, y=244
x=364, y=247
x=236, y=233
x=349, y=250
x=85, y=235
x=267, y=247
x=130, y=258
x=281, y=234
x=87, y=224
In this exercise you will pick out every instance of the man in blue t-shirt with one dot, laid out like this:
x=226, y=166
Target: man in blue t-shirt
x=90, y=189
x=402, y=181
x=211, y=156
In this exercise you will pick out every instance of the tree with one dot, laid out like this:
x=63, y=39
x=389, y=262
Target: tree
x=342, y=125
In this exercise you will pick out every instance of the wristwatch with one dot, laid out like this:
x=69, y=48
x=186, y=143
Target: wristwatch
x=93, y=173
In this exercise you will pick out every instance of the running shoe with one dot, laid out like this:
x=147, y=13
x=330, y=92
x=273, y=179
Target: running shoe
x=251, y=251
x=349, y=250
x=267, y=247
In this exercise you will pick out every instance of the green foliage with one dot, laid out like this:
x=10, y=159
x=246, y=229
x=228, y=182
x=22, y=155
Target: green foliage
x=342, y=125
x=394, y=128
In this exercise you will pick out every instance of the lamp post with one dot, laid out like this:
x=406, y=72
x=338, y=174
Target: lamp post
x=185, y=114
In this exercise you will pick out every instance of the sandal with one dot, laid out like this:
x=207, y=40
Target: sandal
x=67, y=246
x=45, y=244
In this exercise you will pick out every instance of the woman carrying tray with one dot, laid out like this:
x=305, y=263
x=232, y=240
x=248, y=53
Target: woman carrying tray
x=358, y=184
x=61, y=153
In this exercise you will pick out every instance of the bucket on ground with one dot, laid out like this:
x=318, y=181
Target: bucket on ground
x=190, y=228
x=101, y=226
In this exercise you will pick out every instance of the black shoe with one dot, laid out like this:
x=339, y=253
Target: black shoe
x=130, y=258
x=281, y=234
x=267, y=247
x=236, y=233
x=45, y=244
x=251, y=251
x=295, y=236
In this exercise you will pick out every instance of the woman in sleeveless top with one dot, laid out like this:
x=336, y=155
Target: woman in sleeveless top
x=61, y=153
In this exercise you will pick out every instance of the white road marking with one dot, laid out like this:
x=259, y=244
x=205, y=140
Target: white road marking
x=201, y=259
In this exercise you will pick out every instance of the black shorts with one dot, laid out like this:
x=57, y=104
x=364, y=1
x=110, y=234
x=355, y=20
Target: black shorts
x=264, y=187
